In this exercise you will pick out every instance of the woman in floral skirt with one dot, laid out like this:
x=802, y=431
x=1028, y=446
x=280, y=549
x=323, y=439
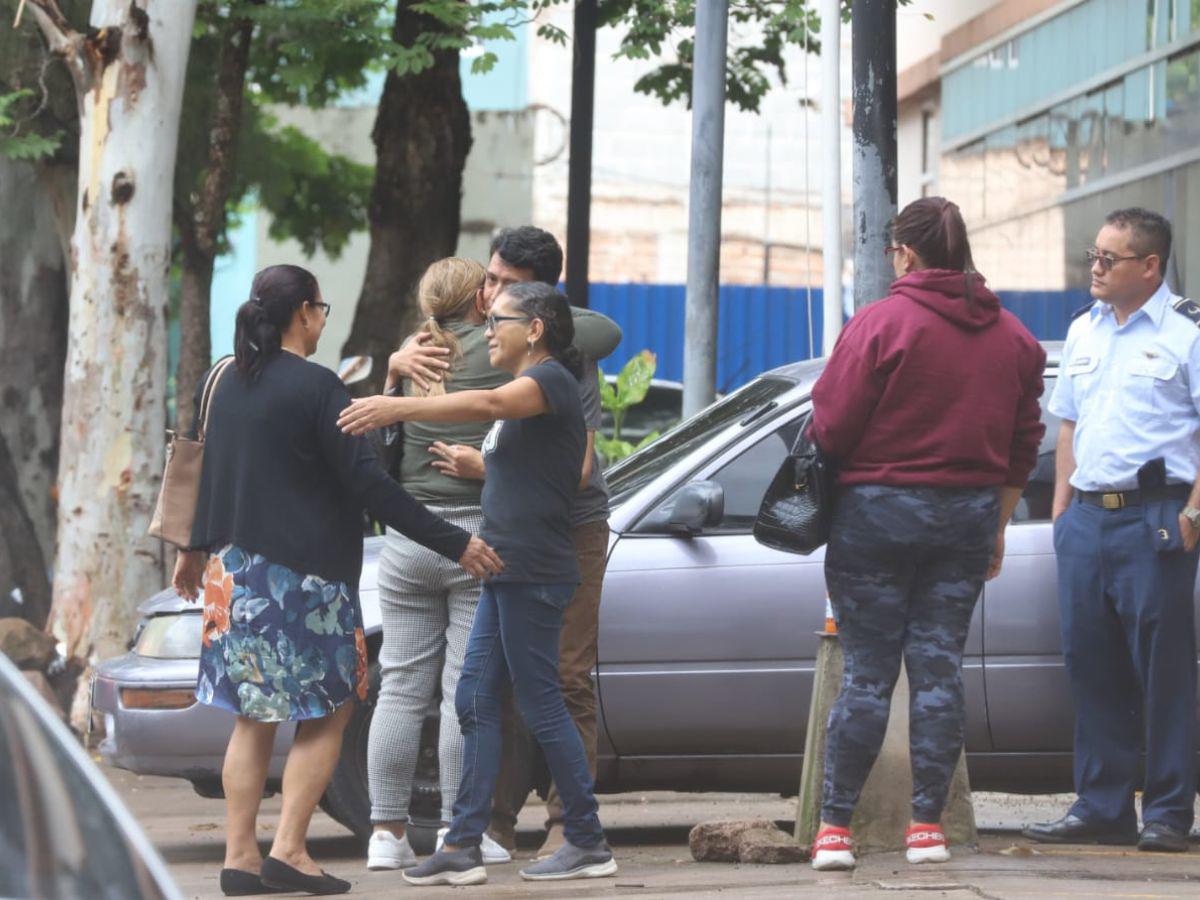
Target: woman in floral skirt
x=277, y=553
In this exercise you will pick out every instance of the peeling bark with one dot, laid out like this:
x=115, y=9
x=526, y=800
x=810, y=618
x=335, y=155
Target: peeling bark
x=422, y=135
x=201, y=225
x=129, y=74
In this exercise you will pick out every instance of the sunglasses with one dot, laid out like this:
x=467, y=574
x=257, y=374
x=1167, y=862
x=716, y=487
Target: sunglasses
x=1107, y=262
x=492, y=321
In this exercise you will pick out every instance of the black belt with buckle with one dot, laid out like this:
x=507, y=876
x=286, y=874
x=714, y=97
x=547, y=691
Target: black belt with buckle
x=1121, y=499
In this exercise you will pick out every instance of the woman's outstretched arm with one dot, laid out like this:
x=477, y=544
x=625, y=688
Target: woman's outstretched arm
x=519, y=399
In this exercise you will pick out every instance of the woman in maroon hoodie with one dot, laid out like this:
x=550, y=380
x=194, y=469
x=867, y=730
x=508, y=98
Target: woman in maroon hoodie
x=929, y=406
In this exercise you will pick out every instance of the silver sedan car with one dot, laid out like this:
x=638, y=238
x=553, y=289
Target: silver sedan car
x=707, y=639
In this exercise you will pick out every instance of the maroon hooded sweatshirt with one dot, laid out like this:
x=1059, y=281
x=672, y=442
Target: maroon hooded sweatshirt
x=926, y=388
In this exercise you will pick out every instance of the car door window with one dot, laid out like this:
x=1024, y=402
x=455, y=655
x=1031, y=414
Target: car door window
x=1038, y=496
x=746, y=478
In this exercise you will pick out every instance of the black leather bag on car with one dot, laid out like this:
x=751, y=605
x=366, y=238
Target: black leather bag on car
x=798, y=506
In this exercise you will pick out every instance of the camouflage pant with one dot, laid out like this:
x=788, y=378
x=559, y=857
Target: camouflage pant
x=904, y=567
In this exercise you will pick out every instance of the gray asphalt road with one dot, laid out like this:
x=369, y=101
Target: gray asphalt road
x=649, y=834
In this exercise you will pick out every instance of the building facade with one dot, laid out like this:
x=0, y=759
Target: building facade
x=1038, y=117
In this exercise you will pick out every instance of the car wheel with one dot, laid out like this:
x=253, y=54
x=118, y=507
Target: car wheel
x=347, y=799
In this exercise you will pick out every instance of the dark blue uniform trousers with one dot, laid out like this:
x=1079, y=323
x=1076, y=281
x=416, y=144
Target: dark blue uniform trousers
x=1125, y=591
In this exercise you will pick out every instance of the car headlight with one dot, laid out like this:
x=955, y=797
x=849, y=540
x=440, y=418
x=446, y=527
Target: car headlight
x=174, y=636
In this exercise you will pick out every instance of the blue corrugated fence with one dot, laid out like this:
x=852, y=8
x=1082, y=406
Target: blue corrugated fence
x=763, y=327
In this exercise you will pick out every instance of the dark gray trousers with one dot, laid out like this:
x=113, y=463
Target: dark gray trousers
x=904, y=567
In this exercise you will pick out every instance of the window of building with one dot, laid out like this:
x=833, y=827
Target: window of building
x=928, y=152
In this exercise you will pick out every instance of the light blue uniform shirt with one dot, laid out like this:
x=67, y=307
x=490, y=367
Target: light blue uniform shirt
x=1133, y=392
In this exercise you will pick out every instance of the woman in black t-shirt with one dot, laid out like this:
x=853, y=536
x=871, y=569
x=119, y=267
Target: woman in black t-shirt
x=277, y=554
x=532, y=457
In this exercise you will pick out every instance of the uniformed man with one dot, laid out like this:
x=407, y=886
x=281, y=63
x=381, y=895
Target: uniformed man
x=1126, y=524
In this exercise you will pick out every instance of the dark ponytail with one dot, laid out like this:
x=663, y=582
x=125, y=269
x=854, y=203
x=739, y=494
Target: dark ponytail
x=542, y=301
x=275, y=295
x=933, y=227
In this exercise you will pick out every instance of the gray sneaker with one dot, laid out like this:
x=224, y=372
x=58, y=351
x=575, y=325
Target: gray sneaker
x=569, y=861
x=455, y=867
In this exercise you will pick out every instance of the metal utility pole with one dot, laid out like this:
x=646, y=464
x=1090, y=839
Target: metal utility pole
x=831, y=194
x=873, y=48
x=704, y=206
x=579, y=173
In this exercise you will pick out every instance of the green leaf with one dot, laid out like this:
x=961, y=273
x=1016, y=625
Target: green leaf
x=608, y=396
x=29, y=147
x=634, y=379
x=612, y=450
x=15, y=145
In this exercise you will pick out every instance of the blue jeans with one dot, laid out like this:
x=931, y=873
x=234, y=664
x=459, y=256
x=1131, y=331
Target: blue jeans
x=515, y=636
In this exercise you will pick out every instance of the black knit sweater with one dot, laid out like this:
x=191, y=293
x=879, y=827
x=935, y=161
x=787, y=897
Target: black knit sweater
x=281, y=479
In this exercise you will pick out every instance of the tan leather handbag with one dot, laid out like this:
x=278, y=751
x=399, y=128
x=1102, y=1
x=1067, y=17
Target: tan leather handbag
x=176, y=507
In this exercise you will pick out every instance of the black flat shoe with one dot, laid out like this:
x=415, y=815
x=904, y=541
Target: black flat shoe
x=1071, y=829
x=1162, y=838
x=237, y=883
x=279, y=875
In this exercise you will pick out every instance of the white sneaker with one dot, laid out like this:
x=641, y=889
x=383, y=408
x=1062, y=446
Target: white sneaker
x=493, y=853
x=386, y=851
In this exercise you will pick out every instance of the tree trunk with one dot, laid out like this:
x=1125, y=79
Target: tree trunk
x=422, y=135
x=199, y=235
x=129, y=74
x=195, y=331
x=33, y=342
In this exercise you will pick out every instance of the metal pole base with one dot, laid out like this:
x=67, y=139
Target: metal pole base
x=885, y=806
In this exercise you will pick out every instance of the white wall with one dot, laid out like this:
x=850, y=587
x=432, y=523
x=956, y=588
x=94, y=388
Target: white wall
x=920, y=26
x=640, y=169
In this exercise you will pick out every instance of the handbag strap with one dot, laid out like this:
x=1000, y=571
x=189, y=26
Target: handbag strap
x=210, y=385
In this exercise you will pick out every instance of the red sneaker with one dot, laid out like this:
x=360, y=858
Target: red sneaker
x=926, y=843
x=833, y=850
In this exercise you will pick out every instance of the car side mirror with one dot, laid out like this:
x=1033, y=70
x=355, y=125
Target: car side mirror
x=354, y=369
x=695, y=506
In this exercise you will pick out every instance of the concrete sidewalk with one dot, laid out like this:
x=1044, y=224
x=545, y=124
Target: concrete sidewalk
x=649, y=834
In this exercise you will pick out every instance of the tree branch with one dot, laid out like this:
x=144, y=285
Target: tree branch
x=64, y=41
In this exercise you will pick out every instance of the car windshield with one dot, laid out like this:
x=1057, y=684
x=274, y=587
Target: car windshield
x=636, y=471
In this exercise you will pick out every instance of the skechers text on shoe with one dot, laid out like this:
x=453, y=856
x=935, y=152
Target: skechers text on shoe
x=833, y=850
x=926, y=844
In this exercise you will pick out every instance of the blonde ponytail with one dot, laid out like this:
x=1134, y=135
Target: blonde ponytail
x=445, y=293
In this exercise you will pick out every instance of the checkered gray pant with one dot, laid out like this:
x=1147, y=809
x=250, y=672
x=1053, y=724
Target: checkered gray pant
x=427, y=605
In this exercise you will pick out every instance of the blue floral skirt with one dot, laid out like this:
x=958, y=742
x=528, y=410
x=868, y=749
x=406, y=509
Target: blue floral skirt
x=278, y=646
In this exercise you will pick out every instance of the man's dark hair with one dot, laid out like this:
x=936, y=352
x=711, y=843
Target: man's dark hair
x=530, y=248
x=1149, y=233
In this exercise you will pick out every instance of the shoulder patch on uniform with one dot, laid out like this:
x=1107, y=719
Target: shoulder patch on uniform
x=1188, y=308
x=1083, y=309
